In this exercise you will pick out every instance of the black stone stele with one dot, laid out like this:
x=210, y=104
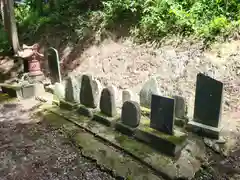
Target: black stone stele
x=208, y=100
x=208, y=105
x=162, y=114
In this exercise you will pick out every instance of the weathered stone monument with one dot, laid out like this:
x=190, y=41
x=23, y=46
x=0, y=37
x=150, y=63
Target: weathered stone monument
x=97, y=88
x=180, y=107
x=108, y=102
x=71, y=94
x=72, y=90
x=159, y=132
x=131, y=114
x=149, y=88
x=130, y=117
x=59, y=90
x=89, y=95
x=180, y=111
x=207, y=109
x=108, y=110
x=126, y=95
x=54, y=65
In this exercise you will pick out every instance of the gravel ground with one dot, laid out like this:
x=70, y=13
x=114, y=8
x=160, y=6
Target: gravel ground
x=30, y=150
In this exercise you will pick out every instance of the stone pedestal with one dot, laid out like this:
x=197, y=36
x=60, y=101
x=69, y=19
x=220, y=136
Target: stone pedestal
x=19, y=91
x=85, y=111
x=168, y=144
x=28, y=91
x=124, y=129
x=203, y=130
x=12, y=91
x=103, y=119
x=67, y=105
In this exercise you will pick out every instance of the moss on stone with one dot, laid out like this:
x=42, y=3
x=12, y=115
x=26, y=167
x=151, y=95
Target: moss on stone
x=133, y=146
x=103, y=154
x=145, y=121
x=4, y=97
x=99, y=113
x=15, y=87
x=145, y=111
x=177, y=138
x=140, y=150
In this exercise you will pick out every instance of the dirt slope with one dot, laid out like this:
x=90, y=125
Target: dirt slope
x=127, y=65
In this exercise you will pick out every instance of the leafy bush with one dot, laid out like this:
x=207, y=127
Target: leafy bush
x=147, y=19
x=4, y=44
x=157, y=18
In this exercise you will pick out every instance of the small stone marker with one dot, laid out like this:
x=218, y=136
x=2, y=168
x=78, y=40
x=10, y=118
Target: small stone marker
x=149, y=88
x=87, y=95
x=208, y=101
x=54, y=66
x=108, y=102
x=72, y=90
x=126, y=95
x=180, y=107
x=59, y=90
x=97, y=88
x=79, y=80
x=131, y=114
x=162, y=114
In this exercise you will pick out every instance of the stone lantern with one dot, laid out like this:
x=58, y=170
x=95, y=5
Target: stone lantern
x=33, y=57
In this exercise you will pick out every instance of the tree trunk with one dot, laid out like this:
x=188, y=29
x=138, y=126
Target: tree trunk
x=10, y=24
x=2, y=11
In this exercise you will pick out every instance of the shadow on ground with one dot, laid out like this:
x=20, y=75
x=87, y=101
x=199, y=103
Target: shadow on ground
x=30, y=149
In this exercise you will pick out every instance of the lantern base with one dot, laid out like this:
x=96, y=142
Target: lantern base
x=35, y=73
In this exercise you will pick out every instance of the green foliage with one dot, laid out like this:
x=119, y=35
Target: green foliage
x=157, y=18
x=4, y=44
x=146, y=19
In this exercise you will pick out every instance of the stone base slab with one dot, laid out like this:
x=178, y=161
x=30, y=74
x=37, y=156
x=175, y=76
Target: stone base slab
x=18, y=91
x=88, y=112
x=28, y=91
x=183, y=167
x=67, y=105
x=203, y=130
x=181, y=122
x=12, y=91
x=124, y=129
x=103, y=119
x=170, y=145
